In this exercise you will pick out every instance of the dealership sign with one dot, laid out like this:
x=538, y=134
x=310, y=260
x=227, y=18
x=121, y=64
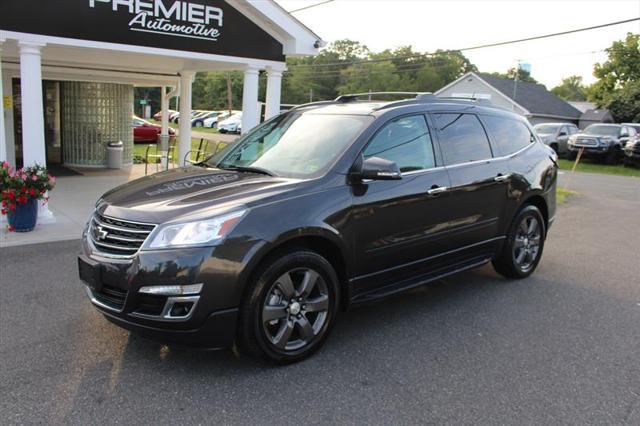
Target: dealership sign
x=202, y=26
x=180, y=18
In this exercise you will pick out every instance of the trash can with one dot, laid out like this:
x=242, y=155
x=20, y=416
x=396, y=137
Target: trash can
x=114, y=154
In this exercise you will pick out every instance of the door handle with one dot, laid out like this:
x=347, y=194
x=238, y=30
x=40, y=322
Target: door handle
x=501, y=177
x=437, y=190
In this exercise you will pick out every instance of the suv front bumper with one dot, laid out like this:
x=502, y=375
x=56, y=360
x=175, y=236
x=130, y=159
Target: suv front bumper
x=113, y=285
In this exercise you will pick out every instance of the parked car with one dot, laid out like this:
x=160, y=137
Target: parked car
x=198, y=121
x=319, y=209
x=635, y=126
x=231, y=124
x=556, y=135
x=143, y=131
x=632, y=152
x=158, y=115
x=212, y=122
x=601, y=141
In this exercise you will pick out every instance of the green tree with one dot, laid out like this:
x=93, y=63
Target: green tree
x=571, y=89
x=625, y=106
x=621, y=69
x=523, y=75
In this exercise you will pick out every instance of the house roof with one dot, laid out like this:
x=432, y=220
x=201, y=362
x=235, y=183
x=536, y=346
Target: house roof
x=582, y=106
x=596, y=115
x=534, y=97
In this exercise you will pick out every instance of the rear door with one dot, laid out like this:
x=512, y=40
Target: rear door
x=479, y=183
x=399, y=224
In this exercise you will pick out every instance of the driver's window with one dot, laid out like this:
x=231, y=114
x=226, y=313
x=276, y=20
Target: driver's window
x=405, y=141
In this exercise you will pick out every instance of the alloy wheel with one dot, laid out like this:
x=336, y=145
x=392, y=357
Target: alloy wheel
x=526, y=246
x=295, y=309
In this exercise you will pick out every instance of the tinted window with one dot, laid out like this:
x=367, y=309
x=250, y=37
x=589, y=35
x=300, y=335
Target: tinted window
x=406, y=141
x=294, y=145
x=462, y=138
x=507, y=135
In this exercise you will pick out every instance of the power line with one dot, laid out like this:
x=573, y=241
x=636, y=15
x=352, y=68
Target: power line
x=481, y=46
x=310, y=6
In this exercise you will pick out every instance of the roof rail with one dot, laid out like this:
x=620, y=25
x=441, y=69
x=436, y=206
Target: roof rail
x=465, y=98
x=352, y=97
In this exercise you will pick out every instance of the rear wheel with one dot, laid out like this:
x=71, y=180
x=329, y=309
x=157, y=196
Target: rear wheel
x=554, y=147
x=523, y=247
x=290, y=308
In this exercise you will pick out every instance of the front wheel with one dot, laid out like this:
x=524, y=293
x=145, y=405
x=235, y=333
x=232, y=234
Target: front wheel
x=290, y=308
x=522, y=249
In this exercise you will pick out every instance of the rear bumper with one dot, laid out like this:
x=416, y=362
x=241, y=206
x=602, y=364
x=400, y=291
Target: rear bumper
x=217, y=332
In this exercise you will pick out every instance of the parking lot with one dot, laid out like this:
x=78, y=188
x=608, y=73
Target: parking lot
x=559, y=347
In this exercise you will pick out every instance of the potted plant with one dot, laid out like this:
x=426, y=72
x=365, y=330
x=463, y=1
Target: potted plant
x=20, y=191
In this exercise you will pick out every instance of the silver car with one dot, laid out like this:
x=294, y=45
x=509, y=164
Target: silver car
x=556, y=135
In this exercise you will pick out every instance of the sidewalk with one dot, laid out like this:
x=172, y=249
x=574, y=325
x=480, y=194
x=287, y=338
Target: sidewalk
x=71, y=203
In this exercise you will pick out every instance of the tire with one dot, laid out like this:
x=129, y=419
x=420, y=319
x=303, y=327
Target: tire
x=572, y=155
x=554, y=147
x=292, y=331
x=612, y=158
x=520, y=254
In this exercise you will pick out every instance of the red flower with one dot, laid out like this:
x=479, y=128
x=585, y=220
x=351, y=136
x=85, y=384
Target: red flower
x=12, y=196
x=10, y=228
x=32, y=192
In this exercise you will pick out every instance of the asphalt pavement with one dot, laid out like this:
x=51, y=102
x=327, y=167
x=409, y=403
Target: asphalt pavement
x=562, y=346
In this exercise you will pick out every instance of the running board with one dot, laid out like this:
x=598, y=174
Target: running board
x=421, y=280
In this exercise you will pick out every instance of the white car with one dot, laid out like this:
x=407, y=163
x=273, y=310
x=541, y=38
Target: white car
x=233, y=124
x=213, y=120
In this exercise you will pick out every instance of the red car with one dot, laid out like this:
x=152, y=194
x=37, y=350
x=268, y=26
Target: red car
x=143, y=131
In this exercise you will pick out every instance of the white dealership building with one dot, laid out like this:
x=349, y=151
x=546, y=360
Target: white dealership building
x=69, y=68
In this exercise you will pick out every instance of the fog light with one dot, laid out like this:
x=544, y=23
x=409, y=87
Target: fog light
x=171, y=290
x=181, y=309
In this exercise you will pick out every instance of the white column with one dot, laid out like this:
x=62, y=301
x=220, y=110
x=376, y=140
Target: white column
x=274, y=90
x=164, y=126
x=33, y=144
x=250, y=111
x=3, y=139
x=184, y=141
x=7, y=94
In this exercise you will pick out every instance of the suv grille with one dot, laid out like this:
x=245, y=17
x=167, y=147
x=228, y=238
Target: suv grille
x=586, y=142
x=117, y=236
x=111, y=297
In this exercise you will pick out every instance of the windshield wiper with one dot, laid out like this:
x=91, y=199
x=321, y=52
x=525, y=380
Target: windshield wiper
x=247, y=169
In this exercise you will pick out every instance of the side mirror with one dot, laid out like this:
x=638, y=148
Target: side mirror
x=376, y=168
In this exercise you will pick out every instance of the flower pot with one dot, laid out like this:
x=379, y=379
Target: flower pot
x=23, y=218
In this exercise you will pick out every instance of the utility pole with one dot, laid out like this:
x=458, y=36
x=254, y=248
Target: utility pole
x=229, y=96
x=515, y=82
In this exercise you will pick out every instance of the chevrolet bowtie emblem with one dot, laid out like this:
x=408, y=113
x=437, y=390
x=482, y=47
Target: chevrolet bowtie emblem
x=101, y=233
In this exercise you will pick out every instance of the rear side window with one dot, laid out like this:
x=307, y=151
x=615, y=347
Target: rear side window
x=507, y=135
x=405, y=141
x=462, y=138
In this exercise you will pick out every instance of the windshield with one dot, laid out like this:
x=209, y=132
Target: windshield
x=547, y=128
x=294, y=145
x=596, y=129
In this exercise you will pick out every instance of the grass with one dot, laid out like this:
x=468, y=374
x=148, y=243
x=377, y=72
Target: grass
x=563, y=194
x=591, y=167
x=140, y=149
x=193, y=129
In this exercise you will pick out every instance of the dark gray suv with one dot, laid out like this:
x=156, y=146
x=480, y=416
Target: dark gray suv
x=316, y=210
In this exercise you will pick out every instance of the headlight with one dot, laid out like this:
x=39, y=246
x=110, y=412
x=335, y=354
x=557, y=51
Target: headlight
x=199, y=233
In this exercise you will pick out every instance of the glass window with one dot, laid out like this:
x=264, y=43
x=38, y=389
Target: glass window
x=507, y=135
x=405, y=141
x=294, y=145
x=573, y=130
x=462, y=138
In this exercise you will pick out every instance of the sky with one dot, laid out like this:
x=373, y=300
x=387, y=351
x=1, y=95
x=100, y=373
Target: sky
x=428, y=25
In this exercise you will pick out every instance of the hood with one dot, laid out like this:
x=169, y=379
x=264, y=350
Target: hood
x=189, y=192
